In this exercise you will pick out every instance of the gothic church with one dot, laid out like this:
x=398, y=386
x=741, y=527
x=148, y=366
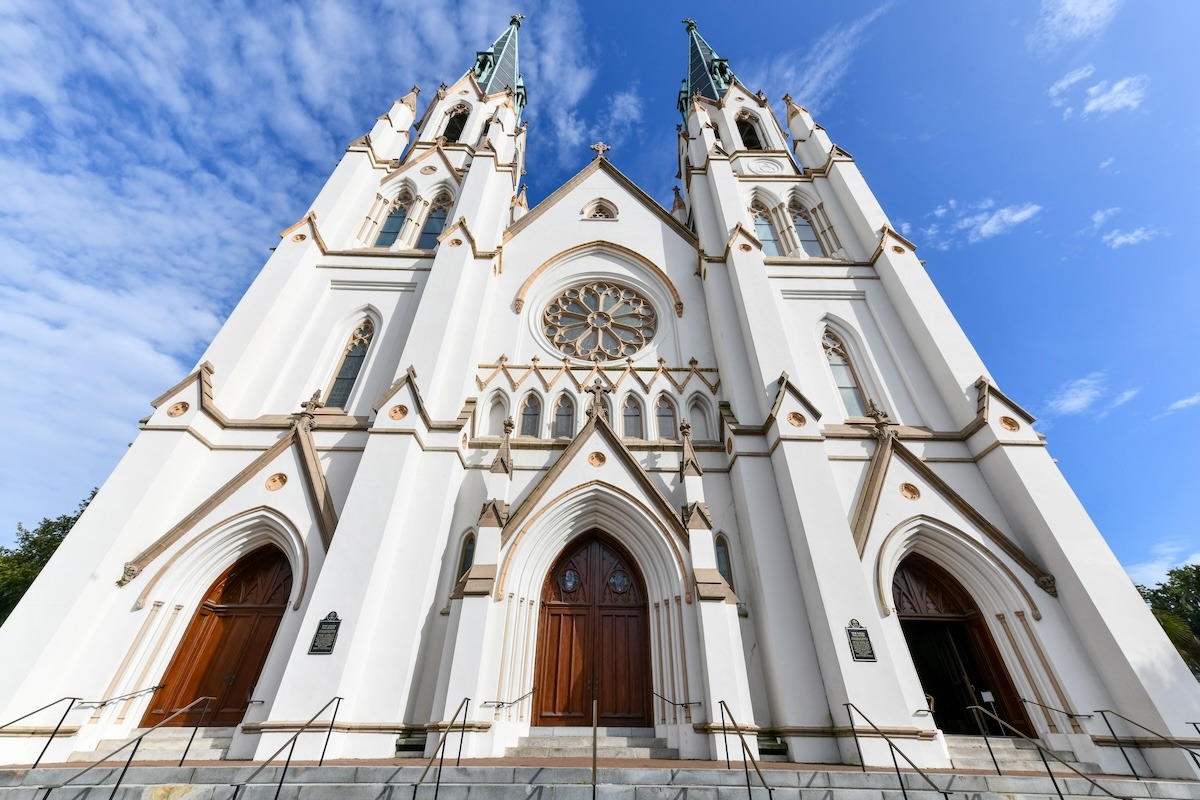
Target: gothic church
x=728, y=464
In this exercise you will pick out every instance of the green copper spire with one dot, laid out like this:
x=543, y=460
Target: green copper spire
x=496, y=68
x=707, y=74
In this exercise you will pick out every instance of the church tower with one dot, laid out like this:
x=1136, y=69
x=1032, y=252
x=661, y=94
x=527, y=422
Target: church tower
x=453, y=460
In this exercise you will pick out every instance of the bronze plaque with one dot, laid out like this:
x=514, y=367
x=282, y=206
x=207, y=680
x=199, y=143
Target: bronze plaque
x=860, y=642
x=326, y=635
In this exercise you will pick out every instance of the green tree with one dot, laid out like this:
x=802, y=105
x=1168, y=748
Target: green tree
x=21, y=564
x=1176, y=605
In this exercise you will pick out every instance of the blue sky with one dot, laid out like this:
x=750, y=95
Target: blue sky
x=1043, y=156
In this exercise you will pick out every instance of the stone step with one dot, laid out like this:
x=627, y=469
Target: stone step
x=581, y=741
x=586, y=730
x=586, y=752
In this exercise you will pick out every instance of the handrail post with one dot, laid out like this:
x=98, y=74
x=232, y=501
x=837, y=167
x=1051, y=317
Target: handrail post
x=725, y=736
x=336, y=705
x=595, y=741
x=896, y=766
x=463, y=734
x=286, y=764
x=195, y=730
x=125, y=768
x=1121, y=747
x=854, y=732
x=54, y=733
x=988, y=742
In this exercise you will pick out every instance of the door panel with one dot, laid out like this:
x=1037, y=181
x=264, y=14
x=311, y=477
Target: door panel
x=593, y=639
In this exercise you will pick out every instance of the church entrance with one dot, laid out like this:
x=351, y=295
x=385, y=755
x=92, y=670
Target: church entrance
x=226, y=643
x=955, y=657
x=593, y=639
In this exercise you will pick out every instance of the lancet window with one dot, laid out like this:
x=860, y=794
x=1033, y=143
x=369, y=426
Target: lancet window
x=455, y=125
x=435, y=222
x=531, y=416
x=764, y=230
x=394, y=222
x=466, y=556
x=802, y=222
x=844, y=374
x=564, y=417
x=724, y=563
x=749, y=133
x=698, y=417
x=664, y=414
x=631, y=416
x=351, y=364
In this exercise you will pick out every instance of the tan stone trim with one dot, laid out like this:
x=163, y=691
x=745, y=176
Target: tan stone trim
x=23, y=731
x=519, y=300
x=885, y=233
x=428, y=151
x=478, y=581
x=288, y=726
x=872, y=490
x=787, y=387
x=718, y=728
x=409, y=378
x=1048, y=669
x=129, y=653
x=1142, y=742
x=882, y=586
x=309, y=219
x=304, y=565
x=363, y=144
x=460, y=224
x=711, y=585
x=318, y=489
x=986, y=390
x=846, y=731
x=614, y=173
x=1029, y=677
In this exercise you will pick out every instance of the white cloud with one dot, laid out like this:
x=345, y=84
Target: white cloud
x=1000, y=221
x=1118, y=238
x=1186, y=402
x=1102, y=216
x=1124, y=397
x=975, y=221
x=1063, y=21
x=1127, y=93
x=1165, y=556
x=1077, y=396
x=1061, y=85
x=814, y=77
x=1106, y=163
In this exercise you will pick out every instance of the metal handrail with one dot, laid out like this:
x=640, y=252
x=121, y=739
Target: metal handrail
x=237, y=787
x=893, y=749
x=1068, y=714
x=671, y=702
x=747, y=756
x=1044, y=751
x=54, y=732
x=135, y=741
x=1104, y=712
x=499, y=704
x=127, y=696
x=441, y=748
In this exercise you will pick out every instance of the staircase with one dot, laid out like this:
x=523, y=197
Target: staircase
x=1012, y=755
x=566, y=742
x=165, y=744
x=515, y=781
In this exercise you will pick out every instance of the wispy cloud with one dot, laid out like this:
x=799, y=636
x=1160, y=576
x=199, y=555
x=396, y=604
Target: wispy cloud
x=1064, y=21
x=1165, y=556
x=814, y=77
x=1106, y=164
x=1118, y=238
x=1180, y=405
x=952, y=222
x=1102, y=216
x=1059, y=88
x=1118, y=401
x=1127, y=93
x=1085, y=396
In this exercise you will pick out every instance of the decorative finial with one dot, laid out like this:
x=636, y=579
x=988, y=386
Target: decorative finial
x=313, y=403
x=685, y=429
x=691, y=23
x=601, y=148
x=516, y=20
x=598, y=408
x=880, y=416
x=509, y=425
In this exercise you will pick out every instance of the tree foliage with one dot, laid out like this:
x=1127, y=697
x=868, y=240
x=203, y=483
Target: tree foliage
x=19, y=565
x=1176, y=605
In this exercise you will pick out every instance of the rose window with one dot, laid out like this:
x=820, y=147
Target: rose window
x=600, y=319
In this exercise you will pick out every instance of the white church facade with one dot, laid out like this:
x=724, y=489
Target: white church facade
x=733, y=458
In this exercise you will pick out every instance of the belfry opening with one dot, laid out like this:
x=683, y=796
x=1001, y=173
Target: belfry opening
x=955, y=656
x=593, y=638
x=226, y=644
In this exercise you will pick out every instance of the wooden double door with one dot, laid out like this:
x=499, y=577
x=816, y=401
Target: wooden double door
x=956, y=660
x=226, y=643
x=593, y=639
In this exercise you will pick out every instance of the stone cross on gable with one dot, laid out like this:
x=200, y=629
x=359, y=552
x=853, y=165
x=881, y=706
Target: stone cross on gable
x=598, y=407
x=313, y=403
x=601, y=148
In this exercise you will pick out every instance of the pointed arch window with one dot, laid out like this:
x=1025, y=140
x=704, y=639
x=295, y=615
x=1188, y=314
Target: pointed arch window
x=724, y=562
x=764, y=230
x=531, y=416
x=466, y=556
x=394, y=222
x=631, y=416
x=435, y=222
x=749, y=133
x=805, y=232
x=564, y=417
x=456, y=124
x=351, y=364
x=496, y=414
x=698, y=416
x=664, y=414
x=844, y=374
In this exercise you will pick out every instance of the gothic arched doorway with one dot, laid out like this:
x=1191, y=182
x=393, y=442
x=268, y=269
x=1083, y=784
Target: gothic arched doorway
x=956, y=660
x=226, y=643
x=593, y=639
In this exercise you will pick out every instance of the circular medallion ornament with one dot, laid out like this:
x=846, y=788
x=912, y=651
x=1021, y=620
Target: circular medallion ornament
x=599, y=320
x=897, y=248
x=456, y=242
x=909, y=492
x=429, y=170
x=178, y=409
x=729, y=446
x=796, y=419
x=569, y=581
x=276, y=482
x=745, y=248
x=398, y=412
x=597, y=459
x=1009, y=424
x=620, y=582
x=299, y=237
x=765, y=166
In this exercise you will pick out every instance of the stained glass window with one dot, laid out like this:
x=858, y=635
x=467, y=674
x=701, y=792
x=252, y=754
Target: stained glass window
x=804, y=230
x=599, y=319
x=393, y=224
x=765, y=231
x=352, y=361
x=665, y=414
x=531, y=416
x=844, y=375
x=632, y=416
x=564, y=417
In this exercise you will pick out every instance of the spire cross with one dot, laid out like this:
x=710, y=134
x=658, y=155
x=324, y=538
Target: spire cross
x=597, y=408
x=691, y=23
x=601, y=148
x=516, y=19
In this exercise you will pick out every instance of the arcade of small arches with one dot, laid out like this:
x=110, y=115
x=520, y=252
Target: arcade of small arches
x=560, y=416
x=408, y=221
x=791, y=229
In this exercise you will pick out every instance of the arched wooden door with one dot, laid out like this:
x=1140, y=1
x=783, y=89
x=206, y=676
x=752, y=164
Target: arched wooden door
x=593, y=639
x=955, y=657
x=226, y=643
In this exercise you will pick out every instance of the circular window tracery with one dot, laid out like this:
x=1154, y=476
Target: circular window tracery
x=599, y=319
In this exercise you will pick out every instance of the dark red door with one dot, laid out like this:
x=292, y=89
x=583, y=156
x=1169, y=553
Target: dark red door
x=226, y=644
x=593, y=639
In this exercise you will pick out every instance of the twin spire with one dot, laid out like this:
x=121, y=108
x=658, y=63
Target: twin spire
x=496, y=68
